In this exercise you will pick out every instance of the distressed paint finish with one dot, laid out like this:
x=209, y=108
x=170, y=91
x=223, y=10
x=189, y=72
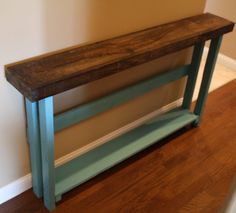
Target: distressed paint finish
x=207, y=76
x=49, y=75
x=33, y=133
x=86, y=111
x=193, y=73
x=47, y=147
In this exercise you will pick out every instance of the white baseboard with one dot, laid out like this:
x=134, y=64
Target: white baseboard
x=15, y=188
x=19, y=186
x=117, y=133
x=223, y=60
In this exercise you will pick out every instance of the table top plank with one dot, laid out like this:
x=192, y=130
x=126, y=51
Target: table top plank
x=50, y=74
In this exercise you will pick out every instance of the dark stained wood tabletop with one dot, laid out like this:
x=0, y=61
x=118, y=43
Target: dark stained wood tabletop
x=50, y=74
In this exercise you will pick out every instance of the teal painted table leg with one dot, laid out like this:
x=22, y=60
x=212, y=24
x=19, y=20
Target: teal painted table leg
x=33, y=133
x=47, y=147
x=192, y=76
x=207, y=76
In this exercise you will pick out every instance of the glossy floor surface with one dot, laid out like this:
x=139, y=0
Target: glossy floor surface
x=190, y=171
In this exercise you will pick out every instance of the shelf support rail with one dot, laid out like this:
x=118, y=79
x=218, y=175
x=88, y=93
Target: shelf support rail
x=42, y=123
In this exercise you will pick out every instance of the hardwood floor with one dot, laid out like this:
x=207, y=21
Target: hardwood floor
x=190, y=171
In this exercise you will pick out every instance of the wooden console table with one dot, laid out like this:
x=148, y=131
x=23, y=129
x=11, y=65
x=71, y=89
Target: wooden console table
x=40, y=78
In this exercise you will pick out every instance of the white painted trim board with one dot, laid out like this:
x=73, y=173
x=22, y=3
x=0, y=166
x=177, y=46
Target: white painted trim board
x=222, y=59
x=15, y=188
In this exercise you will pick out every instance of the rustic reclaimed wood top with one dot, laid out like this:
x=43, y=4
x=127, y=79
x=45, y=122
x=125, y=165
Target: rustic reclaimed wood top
x=50, y=74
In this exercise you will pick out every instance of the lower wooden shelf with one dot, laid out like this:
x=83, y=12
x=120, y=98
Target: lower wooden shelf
x=98, y=160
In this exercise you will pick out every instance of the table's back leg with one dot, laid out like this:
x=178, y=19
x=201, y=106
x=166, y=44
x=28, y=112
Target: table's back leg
x=207, y=76
x=47, y=147
x=33, y=133
x=192, y=75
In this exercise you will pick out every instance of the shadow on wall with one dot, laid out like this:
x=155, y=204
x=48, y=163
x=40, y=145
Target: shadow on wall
x=73, y=22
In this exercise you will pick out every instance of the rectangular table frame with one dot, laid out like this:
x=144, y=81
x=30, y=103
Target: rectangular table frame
x=42, y=124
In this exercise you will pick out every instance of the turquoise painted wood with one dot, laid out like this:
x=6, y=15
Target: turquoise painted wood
x=192, y=76
x=98, y=160
x=47, y=148
x=168, y=116
x=53, y=182
x=58, y=198
x=33, y=134
x=207, y=76
x=57, y=181
x=88, y=110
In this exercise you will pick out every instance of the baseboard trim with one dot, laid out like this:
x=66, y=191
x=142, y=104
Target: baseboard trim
x=117, y=133
x=17, y=187
x=222, y=59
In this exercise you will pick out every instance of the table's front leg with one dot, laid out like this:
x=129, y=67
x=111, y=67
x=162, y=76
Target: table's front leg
x=207, y=76
x=33, y=134
x=192, y=75
x=47, y=148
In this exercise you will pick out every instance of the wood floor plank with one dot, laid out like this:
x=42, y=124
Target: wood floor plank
x=190, y=171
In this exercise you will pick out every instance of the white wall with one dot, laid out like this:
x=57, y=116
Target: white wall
x=21, y=36
x=226, y=9
x=32, y=27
